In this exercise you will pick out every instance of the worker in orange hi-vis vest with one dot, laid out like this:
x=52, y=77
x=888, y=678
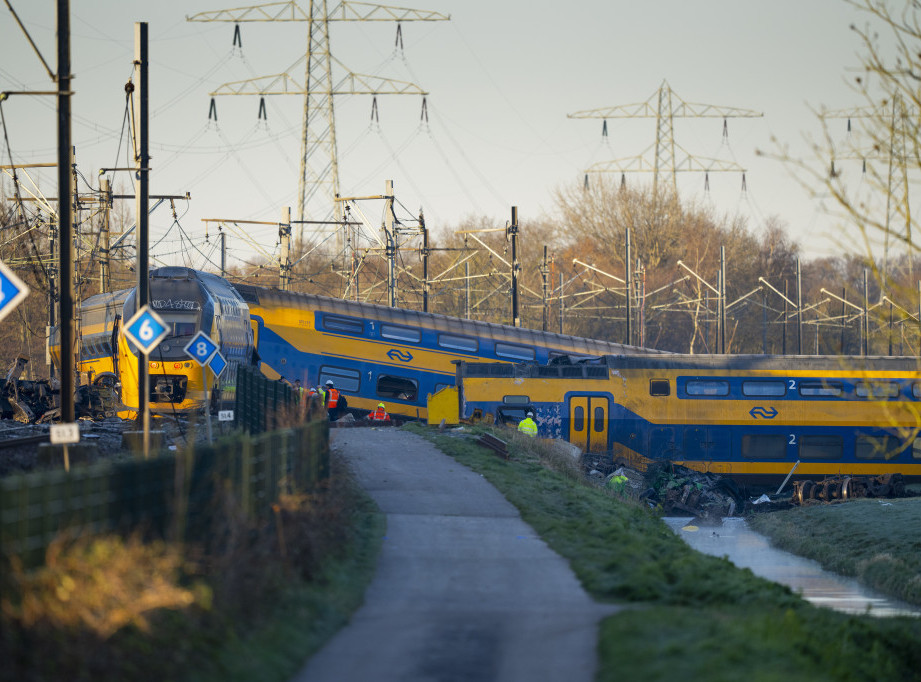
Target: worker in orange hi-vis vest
x=379, y=416
x=335, y=401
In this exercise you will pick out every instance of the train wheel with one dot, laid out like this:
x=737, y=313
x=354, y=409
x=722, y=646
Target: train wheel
x=809, y=490
x=846, y=489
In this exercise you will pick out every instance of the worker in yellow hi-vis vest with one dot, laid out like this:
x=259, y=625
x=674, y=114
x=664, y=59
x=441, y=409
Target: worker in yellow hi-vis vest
x=527, y=425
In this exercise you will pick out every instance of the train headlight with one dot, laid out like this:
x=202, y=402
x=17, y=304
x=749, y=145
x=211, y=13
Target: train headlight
x=154, y=365
x=177, y=365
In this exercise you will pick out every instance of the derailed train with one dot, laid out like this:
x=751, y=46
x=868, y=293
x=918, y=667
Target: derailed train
x=372, y=353
x=744, y=415
x=753, y=417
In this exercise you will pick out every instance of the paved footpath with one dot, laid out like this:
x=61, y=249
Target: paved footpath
x=465, y=590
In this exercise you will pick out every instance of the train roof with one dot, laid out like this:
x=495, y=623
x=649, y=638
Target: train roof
x=601, y=366
x=443, y=323
x=880, y=363
x=105, y=299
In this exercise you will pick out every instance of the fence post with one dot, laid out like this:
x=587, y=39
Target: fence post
x=246, y=475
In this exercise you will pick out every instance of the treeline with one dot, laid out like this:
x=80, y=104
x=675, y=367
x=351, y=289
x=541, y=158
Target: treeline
x=675, y=258
x=675, y=262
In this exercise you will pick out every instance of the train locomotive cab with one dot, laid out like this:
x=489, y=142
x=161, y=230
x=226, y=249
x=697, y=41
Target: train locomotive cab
x=188, y=301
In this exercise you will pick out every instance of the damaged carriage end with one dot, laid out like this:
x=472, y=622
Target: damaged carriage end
x=38, y=401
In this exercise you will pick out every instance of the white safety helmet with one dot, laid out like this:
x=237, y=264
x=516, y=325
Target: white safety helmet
x=329, y=382
x=530, y=414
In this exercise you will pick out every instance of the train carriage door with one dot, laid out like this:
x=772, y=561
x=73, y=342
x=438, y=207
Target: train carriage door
x=588, y=422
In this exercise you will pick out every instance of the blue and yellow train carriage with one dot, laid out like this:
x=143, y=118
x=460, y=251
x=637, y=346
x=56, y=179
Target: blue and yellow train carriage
x=752, y=417
x=188, y=301
x=376, y=354
x=98, y=340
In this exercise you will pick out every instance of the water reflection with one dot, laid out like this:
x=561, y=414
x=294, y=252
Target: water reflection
x=747, y=549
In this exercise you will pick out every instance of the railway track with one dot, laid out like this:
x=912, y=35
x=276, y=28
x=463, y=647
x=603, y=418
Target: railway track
x=9, y=443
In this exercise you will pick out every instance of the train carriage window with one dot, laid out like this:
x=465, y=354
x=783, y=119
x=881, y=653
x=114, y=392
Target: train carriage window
x=401, y=388
x=916, y=448
x=764, y=388
x=389, y=331
x=578, y=418
x=507, y=350
x=820, y=447
x=764, y=446
x=344, y=379
x=455, y=342
x=876, y=390
x=820, y=388
x=877, y=447
x=659, y=387
x=916, y=390
x=598, y=420
x=707, y=387
x=516, y=399
x=334, y=323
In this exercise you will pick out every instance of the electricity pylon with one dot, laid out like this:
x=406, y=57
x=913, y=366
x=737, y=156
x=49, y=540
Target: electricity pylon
x=664, y=106
x=318, y=142
x=895, y=119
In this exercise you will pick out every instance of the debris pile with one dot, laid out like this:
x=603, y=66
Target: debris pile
x=848, y=488
x=24, y=400
x=683, y=491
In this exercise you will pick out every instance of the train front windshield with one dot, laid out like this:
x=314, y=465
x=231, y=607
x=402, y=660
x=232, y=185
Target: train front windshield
x=182, y=328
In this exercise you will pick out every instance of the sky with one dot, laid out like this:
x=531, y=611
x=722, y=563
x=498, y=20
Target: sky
x=501, y=76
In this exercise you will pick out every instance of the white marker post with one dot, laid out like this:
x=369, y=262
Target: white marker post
x=65, y=434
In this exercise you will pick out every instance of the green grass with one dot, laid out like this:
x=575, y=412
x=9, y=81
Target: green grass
x=875, y=541
x=698, y=617
x=306, y=613
x=247, y=608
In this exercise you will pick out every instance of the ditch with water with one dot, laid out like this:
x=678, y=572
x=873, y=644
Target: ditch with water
x=748, y=549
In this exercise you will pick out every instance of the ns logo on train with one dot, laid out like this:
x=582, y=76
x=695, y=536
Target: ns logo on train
x=402, y=356
x=764, y=413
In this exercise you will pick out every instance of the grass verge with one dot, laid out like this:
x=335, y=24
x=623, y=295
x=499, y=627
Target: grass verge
x=701, y=618
x=312, y=608
x=875, y=541
x=255, y=604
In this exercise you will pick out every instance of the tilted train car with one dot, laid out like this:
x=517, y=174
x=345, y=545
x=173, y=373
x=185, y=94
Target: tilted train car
x=376, y=354
x=188, y=301
x=749, y=416
x=97, y=325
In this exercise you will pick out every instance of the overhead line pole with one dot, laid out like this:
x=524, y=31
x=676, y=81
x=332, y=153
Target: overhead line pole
x=425, y=263
x=391, y=247
x=65, y=217
x=516, y=266
x=142, y=162
x=629, y=277
x=721, y=322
